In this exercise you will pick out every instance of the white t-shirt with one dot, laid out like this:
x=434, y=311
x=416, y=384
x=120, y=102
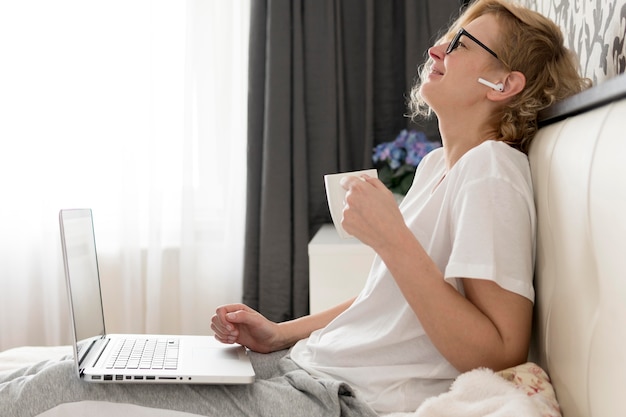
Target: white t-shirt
x=479, y=222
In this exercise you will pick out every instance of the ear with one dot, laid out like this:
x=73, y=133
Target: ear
x=514, y=83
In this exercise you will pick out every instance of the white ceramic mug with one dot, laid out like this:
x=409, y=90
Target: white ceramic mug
x=335, y=195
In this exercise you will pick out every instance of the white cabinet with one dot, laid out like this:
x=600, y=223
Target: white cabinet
x=338, y=268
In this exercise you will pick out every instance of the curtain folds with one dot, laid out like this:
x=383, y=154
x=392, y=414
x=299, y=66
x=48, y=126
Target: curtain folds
x=135, y=110
x=328, y=80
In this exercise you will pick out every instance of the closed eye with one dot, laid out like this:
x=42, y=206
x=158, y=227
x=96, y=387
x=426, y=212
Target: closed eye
x=457, y=44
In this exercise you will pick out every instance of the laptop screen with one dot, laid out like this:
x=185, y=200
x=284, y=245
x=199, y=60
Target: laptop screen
x=81, y=271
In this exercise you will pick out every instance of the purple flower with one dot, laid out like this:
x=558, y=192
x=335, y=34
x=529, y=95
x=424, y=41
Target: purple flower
x=408, y=148
x=398, y=159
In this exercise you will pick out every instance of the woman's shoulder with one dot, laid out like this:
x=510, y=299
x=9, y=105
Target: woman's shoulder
x=494, y=159
x=494, y=153
x=498, y=149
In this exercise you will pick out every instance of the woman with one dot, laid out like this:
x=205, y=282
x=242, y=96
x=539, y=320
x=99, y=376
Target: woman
x=460, y=251
x=451, y=287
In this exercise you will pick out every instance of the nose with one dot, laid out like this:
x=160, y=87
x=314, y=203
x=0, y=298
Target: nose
x=437, y=52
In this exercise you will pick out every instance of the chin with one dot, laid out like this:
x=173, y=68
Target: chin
x=425, y=92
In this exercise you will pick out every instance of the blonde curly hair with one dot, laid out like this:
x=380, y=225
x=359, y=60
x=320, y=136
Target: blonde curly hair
x=531, y=44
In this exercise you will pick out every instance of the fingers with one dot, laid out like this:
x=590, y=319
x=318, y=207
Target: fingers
x=222, y=322
x=228, y=319
x=349, y=181
x=377, y=183
x=233, y=307
x=368, y=204
x=225, y=333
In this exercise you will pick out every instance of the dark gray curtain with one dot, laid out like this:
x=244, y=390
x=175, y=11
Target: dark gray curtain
x=328, y=80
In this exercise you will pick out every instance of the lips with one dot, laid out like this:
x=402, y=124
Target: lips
x=435, y=71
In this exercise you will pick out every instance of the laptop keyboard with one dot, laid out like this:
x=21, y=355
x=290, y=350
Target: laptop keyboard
x=144, y=354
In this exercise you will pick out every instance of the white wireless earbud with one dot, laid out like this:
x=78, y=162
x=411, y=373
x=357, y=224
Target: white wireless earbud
x=497, y=87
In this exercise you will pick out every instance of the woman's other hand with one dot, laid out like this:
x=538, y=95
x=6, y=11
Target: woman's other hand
x=238, y=323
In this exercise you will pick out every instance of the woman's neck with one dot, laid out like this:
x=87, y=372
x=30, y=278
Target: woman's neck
x=459, y=138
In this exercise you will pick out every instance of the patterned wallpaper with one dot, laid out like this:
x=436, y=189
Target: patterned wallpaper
x=594, y=29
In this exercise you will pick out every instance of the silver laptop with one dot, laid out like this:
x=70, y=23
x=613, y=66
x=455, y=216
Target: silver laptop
x=133, y=358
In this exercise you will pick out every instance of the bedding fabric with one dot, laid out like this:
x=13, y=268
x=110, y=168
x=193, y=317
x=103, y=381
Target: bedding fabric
x=522, y=391
x=23, y=356
x=108, y=409
x=39, y=390
x=527, y=387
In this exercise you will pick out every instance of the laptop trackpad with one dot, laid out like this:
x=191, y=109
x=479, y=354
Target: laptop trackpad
x=208, y=355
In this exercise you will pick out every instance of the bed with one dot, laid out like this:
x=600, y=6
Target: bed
x=580, y=191
x=576, y=367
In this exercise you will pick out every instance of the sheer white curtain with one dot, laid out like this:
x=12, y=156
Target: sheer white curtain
x=136, y=109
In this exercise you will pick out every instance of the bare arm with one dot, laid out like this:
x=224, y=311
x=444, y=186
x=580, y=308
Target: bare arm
x=488, y=327
x=238, y=323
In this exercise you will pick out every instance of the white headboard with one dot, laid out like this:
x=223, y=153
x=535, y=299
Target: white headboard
x=579, y=173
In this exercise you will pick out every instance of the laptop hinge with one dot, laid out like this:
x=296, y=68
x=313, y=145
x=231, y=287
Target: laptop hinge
x=86, y=357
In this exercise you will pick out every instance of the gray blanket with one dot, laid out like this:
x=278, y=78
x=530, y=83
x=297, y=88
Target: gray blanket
x=281, y=389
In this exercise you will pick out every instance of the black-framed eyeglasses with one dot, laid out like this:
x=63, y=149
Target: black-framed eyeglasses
x=462, y=32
